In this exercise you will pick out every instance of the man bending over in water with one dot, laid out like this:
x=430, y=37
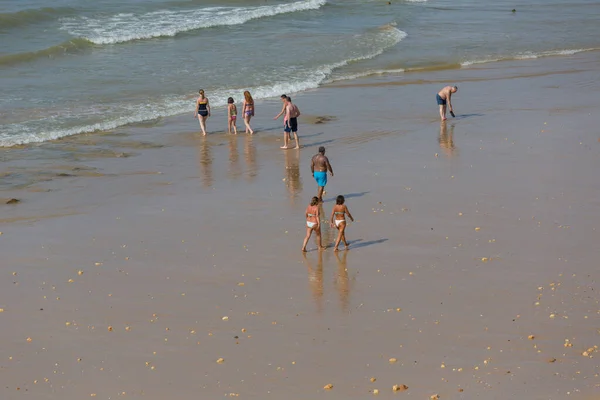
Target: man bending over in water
x=445, y=95
x=319, y=166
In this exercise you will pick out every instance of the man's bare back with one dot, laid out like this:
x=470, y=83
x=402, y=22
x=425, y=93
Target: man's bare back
x=321, y=163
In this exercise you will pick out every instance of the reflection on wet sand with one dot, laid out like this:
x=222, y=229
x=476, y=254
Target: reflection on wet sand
x=206, y=161
x=315, y=279
x=342, y=283
x=234, y=159
x=446, y=139
x=328, y=234
x=292, y=174
x=250, y=155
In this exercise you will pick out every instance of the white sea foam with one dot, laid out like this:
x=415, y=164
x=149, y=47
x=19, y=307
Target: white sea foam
x=527, y=55
x=126, y=27
x=37, y=131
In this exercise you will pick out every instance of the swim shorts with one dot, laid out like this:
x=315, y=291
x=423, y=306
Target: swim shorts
x=440, y=101
x=321, y=178
x=291, y=125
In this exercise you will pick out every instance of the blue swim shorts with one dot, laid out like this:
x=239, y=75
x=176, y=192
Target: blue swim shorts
x=440, y=101
x=321, y=178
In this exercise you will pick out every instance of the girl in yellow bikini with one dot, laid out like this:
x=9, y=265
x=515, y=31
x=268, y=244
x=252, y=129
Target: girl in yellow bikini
x=338, y=220
x=313, y=222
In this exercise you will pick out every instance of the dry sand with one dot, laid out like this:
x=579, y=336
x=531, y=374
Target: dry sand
x=177, y=272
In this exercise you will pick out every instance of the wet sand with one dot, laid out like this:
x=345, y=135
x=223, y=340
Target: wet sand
x=177, y=272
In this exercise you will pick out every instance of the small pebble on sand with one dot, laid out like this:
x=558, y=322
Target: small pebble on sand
x=399, y=388
x=329, y=386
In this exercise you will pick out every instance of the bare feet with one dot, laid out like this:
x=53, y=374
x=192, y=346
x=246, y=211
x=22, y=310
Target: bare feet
x=284, y=147
x=304, y=250
x=443, y=119
x=336, y=249
x=297, y=147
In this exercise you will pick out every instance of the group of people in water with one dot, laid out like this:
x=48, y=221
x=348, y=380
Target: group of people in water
x=320, y=165
x=290, y=111
x=202, y=112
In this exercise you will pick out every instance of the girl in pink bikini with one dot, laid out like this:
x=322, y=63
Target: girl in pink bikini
x=313, y=222
x=248, y=111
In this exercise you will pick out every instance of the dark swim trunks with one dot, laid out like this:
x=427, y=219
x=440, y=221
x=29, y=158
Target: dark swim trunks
x=291, y=125
x=440, y=101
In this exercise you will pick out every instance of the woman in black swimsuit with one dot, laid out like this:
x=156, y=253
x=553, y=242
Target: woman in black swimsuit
x=202, y=110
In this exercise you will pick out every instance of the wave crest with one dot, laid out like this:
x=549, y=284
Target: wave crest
x=122, y=28
x=33, y=16
x=68, y=47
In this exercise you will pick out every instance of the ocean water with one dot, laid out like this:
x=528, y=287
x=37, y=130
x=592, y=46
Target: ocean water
x=80, y=66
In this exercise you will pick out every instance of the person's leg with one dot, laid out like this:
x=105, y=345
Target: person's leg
x=340, y=229
x=285, y=138
x=319, y=240
x=320, y=193
x=308, y=233
x=233, y=122
x=229, y=126
x=247, y=122
x=249, y=127
x=202, y=124
x=297, y=141
x=343, y=234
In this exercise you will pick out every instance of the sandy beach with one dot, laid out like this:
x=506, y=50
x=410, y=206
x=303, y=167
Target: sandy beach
x=156, y=263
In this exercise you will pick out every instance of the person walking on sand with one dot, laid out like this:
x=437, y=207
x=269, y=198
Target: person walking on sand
x=338, y=220
x=313, y=223
x=319, y=166
x=443, y=96
x=282, y=112
x=202, y=110
x=248, y=110
x=231, y=115
x=290, y=123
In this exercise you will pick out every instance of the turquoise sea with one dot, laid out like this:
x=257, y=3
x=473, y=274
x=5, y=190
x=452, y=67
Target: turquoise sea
x=80, y=66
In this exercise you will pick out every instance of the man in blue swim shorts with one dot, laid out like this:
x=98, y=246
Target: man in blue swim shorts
x=319, y=167
x=443, y=96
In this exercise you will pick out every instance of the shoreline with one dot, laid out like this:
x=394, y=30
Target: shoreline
x=470, y=237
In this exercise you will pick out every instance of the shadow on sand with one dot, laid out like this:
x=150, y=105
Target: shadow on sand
x=318, y=143
x=355, y=244
x=346, y=196
x=463, y=116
